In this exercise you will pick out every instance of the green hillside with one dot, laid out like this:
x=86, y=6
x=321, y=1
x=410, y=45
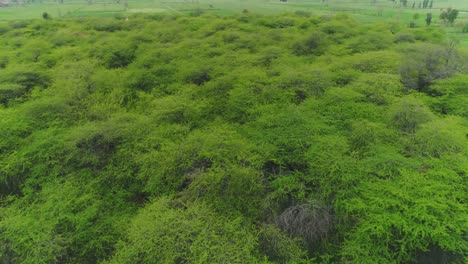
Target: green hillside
x=292, y=138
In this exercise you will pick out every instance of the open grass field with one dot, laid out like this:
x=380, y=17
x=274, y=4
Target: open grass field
x=363, y=10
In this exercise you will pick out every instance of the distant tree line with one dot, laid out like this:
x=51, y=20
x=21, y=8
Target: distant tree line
x=424, y=4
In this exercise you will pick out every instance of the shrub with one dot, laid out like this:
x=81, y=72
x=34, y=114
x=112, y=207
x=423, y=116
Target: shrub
x=45, y=15
x=19, y=24
x=364, y=135
x=269, y=54
x=302, y=13
x=315, y=44
x=371, y=40
x=161, y=233
x=118, y=55
x=380, y=89
x=398, y=219
x=424, y=64
x=10, y=91
x=439, y=138
x=198, y=76
x=27, y=78
x=312, y=82
x=339, y=30
x=405, y=37
x=450, y=96
x=225, y=190
x=465, y=28
x=374, y=61
x=408, y=114
x=312, y=222
x=3, y=29
x=109, y=25
x=281, y=248
x=63, y=224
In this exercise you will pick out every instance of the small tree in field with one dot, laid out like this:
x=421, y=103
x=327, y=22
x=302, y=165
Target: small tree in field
x=452, y=15
x=449, y=15
x=428, y=19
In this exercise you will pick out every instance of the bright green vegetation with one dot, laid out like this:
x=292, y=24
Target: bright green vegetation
x=238, y=139
x=367, y=11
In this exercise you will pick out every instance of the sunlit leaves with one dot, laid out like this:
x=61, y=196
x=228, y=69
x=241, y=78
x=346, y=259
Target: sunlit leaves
x=211, y=127
x=415, y=211
x=164, y=233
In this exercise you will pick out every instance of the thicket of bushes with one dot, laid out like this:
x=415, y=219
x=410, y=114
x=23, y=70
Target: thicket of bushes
x=245, y=139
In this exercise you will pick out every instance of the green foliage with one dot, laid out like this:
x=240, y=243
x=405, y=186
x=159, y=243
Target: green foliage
x=109, y=25
x=203, y=151
x=427, y=64
x=408, y=114
x=26, y=78
x=451, y=96
x=417, y=211
x=364, y=135
x=62, y=222
x=373, y=62
x=45, y=15
x=449, y=15
x=428, y=19
x=315, y=44
x=379, y=88
x=279, y=247
x=339, y=29
x=441, y=137
x=228, y=190
x=192, y=235
x=11, y=91
x=305, y=83
x=377, y=38
x=405, y=37
x=234, y=139
x=430, y=34
x=465, y=28
x=115, y=53
x=119, y=57
x=342, y=105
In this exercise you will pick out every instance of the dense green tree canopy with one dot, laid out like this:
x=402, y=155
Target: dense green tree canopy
x=243, y=139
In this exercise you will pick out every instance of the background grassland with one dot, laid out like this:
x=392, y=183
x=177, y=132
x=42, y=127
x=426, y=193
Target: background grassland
x=380, y=10
x=362, y=10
